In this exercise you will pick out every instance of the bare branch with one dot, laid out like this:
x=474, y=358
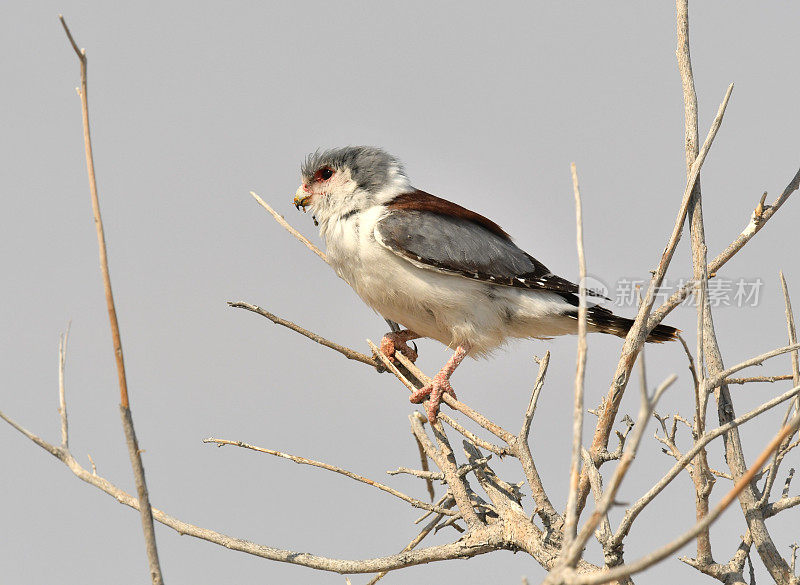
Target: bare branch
x=668, y=549
x=780, y=505
x=525, y=432
x=490, y=426
x=641, y=326
x=719, y=379
x=446, y=462
x=702, y=478
x=423, y=458
x=700, y=443
x=62, y=400
x=758, y=220
x=304, y=461
x=413, y=544
x=604, y=532
x=285, y=224
x=350, y=354
x=571, y=515
x=770, y=379
x=387, y=363
x=645, y=412
x=777, y=459
x=502, y=451
x=486, y=540
x=421, y=473
x=125, y=412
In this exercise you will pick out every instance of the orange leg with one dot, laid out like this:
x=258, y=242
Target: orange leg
x=440, y=384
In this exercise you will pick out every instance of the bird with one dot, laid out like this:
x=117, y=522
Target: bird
x=438, y=269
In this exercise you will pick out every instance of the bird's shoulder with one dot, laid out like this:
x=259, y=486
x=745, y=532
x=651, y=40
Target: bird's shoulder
x=436, y=234
x=421, y=201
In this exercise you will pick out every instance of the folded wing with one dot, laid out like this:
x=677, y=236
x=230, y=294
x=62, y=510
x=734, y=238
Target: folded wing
x=436, y=234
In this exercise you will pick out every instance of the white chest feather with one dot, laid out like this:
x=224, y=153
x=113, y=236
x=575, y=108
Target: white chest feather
x=448, y=308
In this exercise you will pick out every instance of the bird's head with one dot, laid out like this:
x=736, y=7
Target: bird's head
x=348, y=180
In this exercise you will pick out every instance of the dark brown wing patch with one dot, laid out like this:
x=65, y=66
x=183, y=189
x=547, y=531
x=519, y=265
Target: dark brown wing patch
x=421, y=201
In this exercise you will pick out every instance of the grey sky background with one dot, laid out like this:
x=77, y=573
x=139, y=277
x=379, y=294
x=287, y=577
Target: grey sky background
x=194, y=104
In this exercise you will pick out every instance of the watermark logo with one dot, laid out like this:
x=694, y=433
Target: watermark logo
x=596, y=287
x=721, y=292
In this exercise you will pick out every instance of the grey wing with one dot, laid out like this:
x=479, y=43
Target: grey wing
x=454, y=245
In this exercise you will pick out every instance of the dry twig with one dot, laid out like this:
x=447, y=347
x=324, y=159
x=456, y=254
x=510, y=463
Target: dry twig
x=327, y=466
x=125, y=411
x=571, y=514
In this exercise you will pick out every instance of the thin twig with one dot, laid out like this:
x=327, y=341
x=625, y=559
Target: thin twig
x=689, y=357
x=638, y=332
x=304, y=461
x=633, y=511
x=413, y=544
x=497, y=450
x=423, y=459
x=525, y=431
x=701, y=476
x=777, y=459
x=770, y=379
x=350, y=354
x=421, y=473
x=758, y=220
x=522, y=450
x=719, y=379
x=604, y=532
x=62, y=400
x=125, y=412
x=668, y=549
x=446, y=462
x=285, y=224
x=645, y=412
x=571, y=514
x=387, y=363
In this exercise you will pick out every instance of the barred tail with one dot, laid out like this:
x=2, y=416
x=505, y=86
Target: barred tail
x=603, y=320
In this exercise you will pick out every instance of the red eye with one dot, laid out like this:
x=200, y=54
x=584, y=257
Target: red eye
x=323, y=174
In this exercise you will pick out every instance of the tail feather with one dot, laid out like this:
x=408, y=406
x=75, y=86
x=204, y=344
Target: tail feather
x=603, y=320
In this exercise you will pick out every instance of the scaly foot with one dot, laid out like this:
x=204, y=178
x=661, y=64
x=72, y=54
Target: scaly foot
x=394, y=342
x=440, y=384
x=434, y=391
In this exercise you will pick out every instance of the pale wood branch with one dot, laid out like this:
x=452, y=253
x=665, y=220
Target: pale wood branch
x=758, y=220
x=125, y=412
x=633, y=511
x=327, y=466
x=701, y=475
x=780, y=453
x=645, y=412
x=445, y=460
x=62, y=399
x=641, y=326
x=571, y=514
x=719, y=378
x=285, y=224
x=350, y=354
x=770, y=379
x=668, y=549
x=485, y=540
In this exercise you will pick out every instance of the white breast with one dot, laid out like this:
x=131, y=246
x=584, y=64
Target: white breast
x=448, y=308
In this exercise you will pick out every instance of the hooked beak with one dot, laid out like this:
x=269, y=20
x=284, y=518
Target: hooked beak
x=302, y=198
